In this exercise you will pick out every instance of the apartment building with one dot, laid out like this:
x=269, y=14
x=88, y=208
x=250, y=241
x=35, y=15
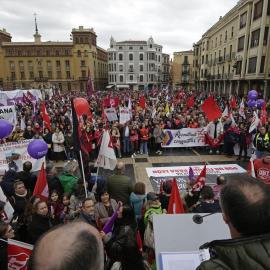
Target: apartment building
x=60, y=65
x=134, y=65
x=233, y=55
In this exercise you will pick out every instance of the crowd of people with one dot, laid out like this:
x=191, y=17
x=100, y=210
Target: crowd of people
x=88, y=206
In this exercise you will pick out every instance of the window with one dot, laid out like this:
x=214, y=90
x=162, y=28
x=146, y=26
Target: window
x=58, y=64
x=120, y=47
x=11, y=65
x=13, y=76
x=186, y=59
x=82, y=63
x=141, y=78
x=77, y=40
x=141, y=57
x=49, y=64
x=226, y=33
x=262, y=64
x=50, y=74
x=85, y=53
x=215, y=45
x=40, y=73
x=31, y=75
x=79, y=53
x=66, y=52
x=68, y=74
x=268, y=8
x=232, y=31
x=30, y=65
x=121, y=78
x=81, y=40
x=220, y=40
x=159, y=58
x=69, y=86
x=141, y=47
x=22, y=75
x=252, y=65
x=258, y=10
x=243, y=20
x=21, y=65
x=238, y=67
x=120, y=57
x=81, y=86
x=20, y=53
x=151, y=46
x=265, y=37
x=130, y=57
x=10, y=53
x=83, y=73
x=86, y=40
x=255, y=35
x=57, y=52
x=241, y=42
x=131, y=77
x=130, y=48
x=59, y=74
x=38, y=52
x=120, y=67
x=29, y=53
x=47, y=52
x=141, y=67
x=202, y=59
x=67, y=63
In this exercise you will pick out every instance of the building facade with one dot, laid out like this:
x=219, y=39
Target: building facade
x=166, y=76
x=182, y=69
x=62, y=65
x=233, y=55
x=134, y=65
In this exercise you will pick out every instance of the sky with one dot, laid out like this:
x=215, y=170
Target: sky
x=174, y=24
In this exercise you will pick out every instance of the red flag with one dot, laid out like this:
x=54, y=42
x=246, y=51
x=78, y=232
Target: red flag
x=25, y=99
x=160, y=187
x=214, y=142
x=142, y=103
x=186, y=108
x=46, y=119
x=233, y=103
x=211, y=109
x=263, y=115
x=89, y=116
x=191, y=102
x=30, y=96
x=111, y=102
x=99, y=224
x=18, y=254
x=139, y=241
x=80, y=120
x=200, y=182
x=41, y=188
x=104, y=117
x=175, y=203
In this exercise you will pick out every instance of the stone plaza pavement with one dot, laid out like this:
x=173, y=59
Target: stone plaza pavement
x=136, y=167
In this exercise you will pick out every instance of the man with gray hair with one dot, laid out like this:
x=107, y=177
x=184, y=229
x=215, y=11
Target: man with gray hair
x=53, y=179
x=118, y=185
x=76, y=246
x=68, y=180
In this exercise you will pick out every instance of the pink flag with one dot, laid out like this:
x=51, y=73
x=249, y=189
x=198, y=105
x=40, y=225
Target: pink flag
x=90, y=90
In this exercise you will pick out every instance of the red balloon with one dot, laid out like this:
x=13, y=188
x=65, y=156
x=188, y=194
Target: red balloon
x=81, y=106
x=180, y=95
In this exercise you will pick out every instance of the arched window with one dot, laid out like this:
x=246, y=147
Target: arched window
x=10, y=53
x=85, y=53
x=77, y=40
x=47, y=52
x=57, y=52
x=20, y=53
x=66, y=52
x=81, y=40
x=79, y=53
x=28, y=52
x=38, y=52
x=86, y=40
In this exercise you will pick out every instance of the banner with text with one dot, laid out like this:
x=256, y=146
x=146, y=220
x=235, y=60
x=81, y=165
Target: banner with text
x=111, y=114
x=15, y=154
x=7, y=112
x=185, y=137
x=160, y=174
x=124, y=115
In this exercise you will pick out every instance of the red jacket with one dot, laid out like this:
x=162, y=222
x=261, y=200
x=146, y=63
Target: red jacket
x=88, y=138
x=262, y=171
x=144, y=134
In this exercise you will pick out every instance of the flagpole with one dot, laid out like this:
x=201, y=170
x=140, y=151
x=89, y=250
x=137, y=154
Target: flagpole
x=83, y=173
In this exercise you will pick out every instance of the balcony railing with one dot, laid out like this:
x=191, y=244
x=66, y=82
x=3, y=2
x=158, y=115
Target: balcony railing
x=41, y=79
x=130, y=70
x=83, y=78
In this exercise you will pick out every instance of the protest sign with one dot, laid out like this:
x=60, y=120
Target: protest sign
x=111, y=114
x=7, y=112
x=124, y=115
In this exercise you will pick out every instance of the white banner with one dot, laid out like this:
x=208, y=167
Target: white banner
x=185, y=137
x=124, y=115
x=111, y=114
x=7, y=112
x=15, y=154
x=184, y=170
x=251, y=152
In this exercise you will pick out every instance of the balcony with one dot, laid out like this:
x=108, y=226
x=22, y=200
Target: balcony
x=221, y=59
x=83, y=78
x=151, y=69
x=185, y=72
x=41, y=79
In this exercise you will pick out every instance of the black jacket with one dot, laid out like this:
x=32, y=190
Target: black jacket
x=205, y=207
x=38, y=226
x=28, y=136
x=91, y=220
x=54, y=183
x=28, y=179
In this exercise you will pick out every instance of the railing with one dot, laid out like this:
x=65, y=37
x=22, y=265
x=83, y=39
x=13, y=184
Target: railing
x=41, y=79
x=83, y=78
x=130, y=70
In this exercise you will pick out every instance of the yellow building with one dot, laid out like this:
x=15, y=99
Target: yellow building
x=233, y=55
x=182, y=69
x=62, y=65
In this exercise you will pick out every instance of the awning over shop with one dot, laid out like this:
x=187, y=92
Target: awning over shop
x=110, y=86
x=122, y=86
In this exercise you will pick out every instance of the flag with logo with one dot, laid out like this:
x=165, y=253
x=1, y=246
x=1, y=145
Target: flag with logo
x=89, y=116
x=46, y=118
x=175, y=203
x=200, y=182
x=106, y=158
x=214, y=142
x=242, y=109
x=255, y=122
x=18, y=255
x=8, y=209
x=111, y=102
x=30, y=96
x=41, y=187
x=263, y=115
x=108, y=228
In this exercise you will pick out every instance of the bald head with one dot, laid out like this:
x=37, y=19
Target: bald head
x=120, y=167
x=77, y=245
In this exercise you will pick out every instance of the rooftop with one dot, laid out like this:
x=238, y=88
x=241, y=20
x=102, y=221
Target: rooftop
x=132, y=42
x=190, y=51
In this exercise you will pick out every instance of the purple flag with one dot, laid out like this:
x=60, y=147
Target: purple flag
x=108, y=228
x=90, y=90
x=191, y=174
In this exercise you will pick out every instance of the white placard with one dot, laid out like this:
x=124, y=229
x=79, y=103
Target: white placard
x=124, y=115
x=7, y=112
x=111, y=114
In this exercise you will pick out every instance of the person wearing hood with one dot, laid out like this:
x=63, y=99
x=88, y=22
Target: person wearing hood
x=68, y=179
x=208, y=204
x=7, y=182
x=230, y=139
x=137, y=199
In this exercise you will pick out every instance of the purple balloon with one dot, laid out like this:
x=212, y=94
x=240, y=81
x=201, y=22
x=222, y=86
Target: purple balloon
x=253, y=94
x=5, y=128
x=260, y=103
x=169, y=98
x=99, y=92
x=251, y=103
x=37, y=149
